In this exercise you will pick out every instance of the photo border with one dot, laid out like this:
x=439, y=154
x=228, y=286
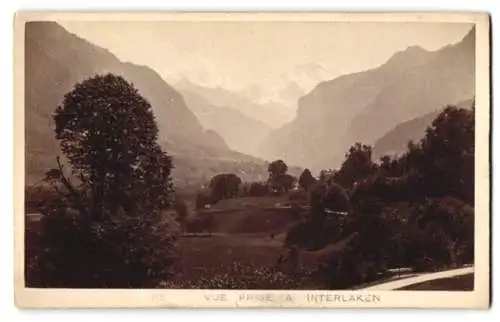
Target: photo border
x=142, y=298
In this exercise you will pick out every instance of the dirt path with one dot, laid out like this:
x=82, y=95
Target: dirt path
x=400, y=283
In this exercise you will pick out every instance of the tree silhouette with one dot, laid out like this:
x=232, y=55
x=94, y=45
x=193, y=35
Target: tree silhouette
x=108, y=133
x=306, y=179
x=443, y=161
x=106, y=228
x=279, y=181
x=224, y=185
x=448, y=154
x=277, y=168
x=357, y=165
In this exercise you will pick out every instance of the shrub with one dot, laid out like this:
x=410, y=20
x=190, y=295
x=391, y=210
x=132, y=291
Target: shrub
x=443, y=229
x=258, y=189
x=70, y=251
x=204, y=198
x=347, y=269
x=311, y=235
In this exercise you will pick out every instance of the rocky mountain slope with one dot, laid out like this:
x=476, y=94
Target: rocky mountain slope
x=362, y=107
x=55, y=60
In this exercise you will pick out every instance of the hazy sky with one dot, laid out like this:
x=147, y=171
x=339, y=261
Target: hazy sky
x=262, y=56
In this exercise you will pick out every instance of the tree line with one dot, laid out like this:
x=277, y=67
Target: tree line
x=414, y=210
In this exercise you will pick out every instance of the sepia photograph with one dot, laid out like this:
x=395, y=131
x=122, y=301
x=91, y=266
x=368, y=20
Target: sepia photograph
x=226, y=160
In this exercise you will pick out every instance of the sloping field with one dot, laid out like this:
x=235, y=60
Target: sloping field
x=249, y=215
x=253, y=221
x=204, y=256
x=235, y=256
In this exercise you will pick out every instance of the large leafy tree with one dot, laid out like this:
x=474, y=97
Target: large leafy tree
x=107, y=229
x=443, y=160
x=357, y=166
x=277, y=168
x=225, y=185
x=108, y=133
x=449, y=153
x=279, y=181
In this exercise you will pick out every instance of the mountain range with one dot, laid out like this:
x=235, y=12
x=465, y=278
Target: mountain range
x=364, y=106
x=241, y=132
x=55, y=60
x=209, y=130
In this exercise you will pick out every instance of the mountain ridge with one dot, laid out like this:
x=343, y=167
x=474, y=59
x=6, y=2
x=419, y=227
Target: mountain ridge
x=363, y=106
x=56, y=59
